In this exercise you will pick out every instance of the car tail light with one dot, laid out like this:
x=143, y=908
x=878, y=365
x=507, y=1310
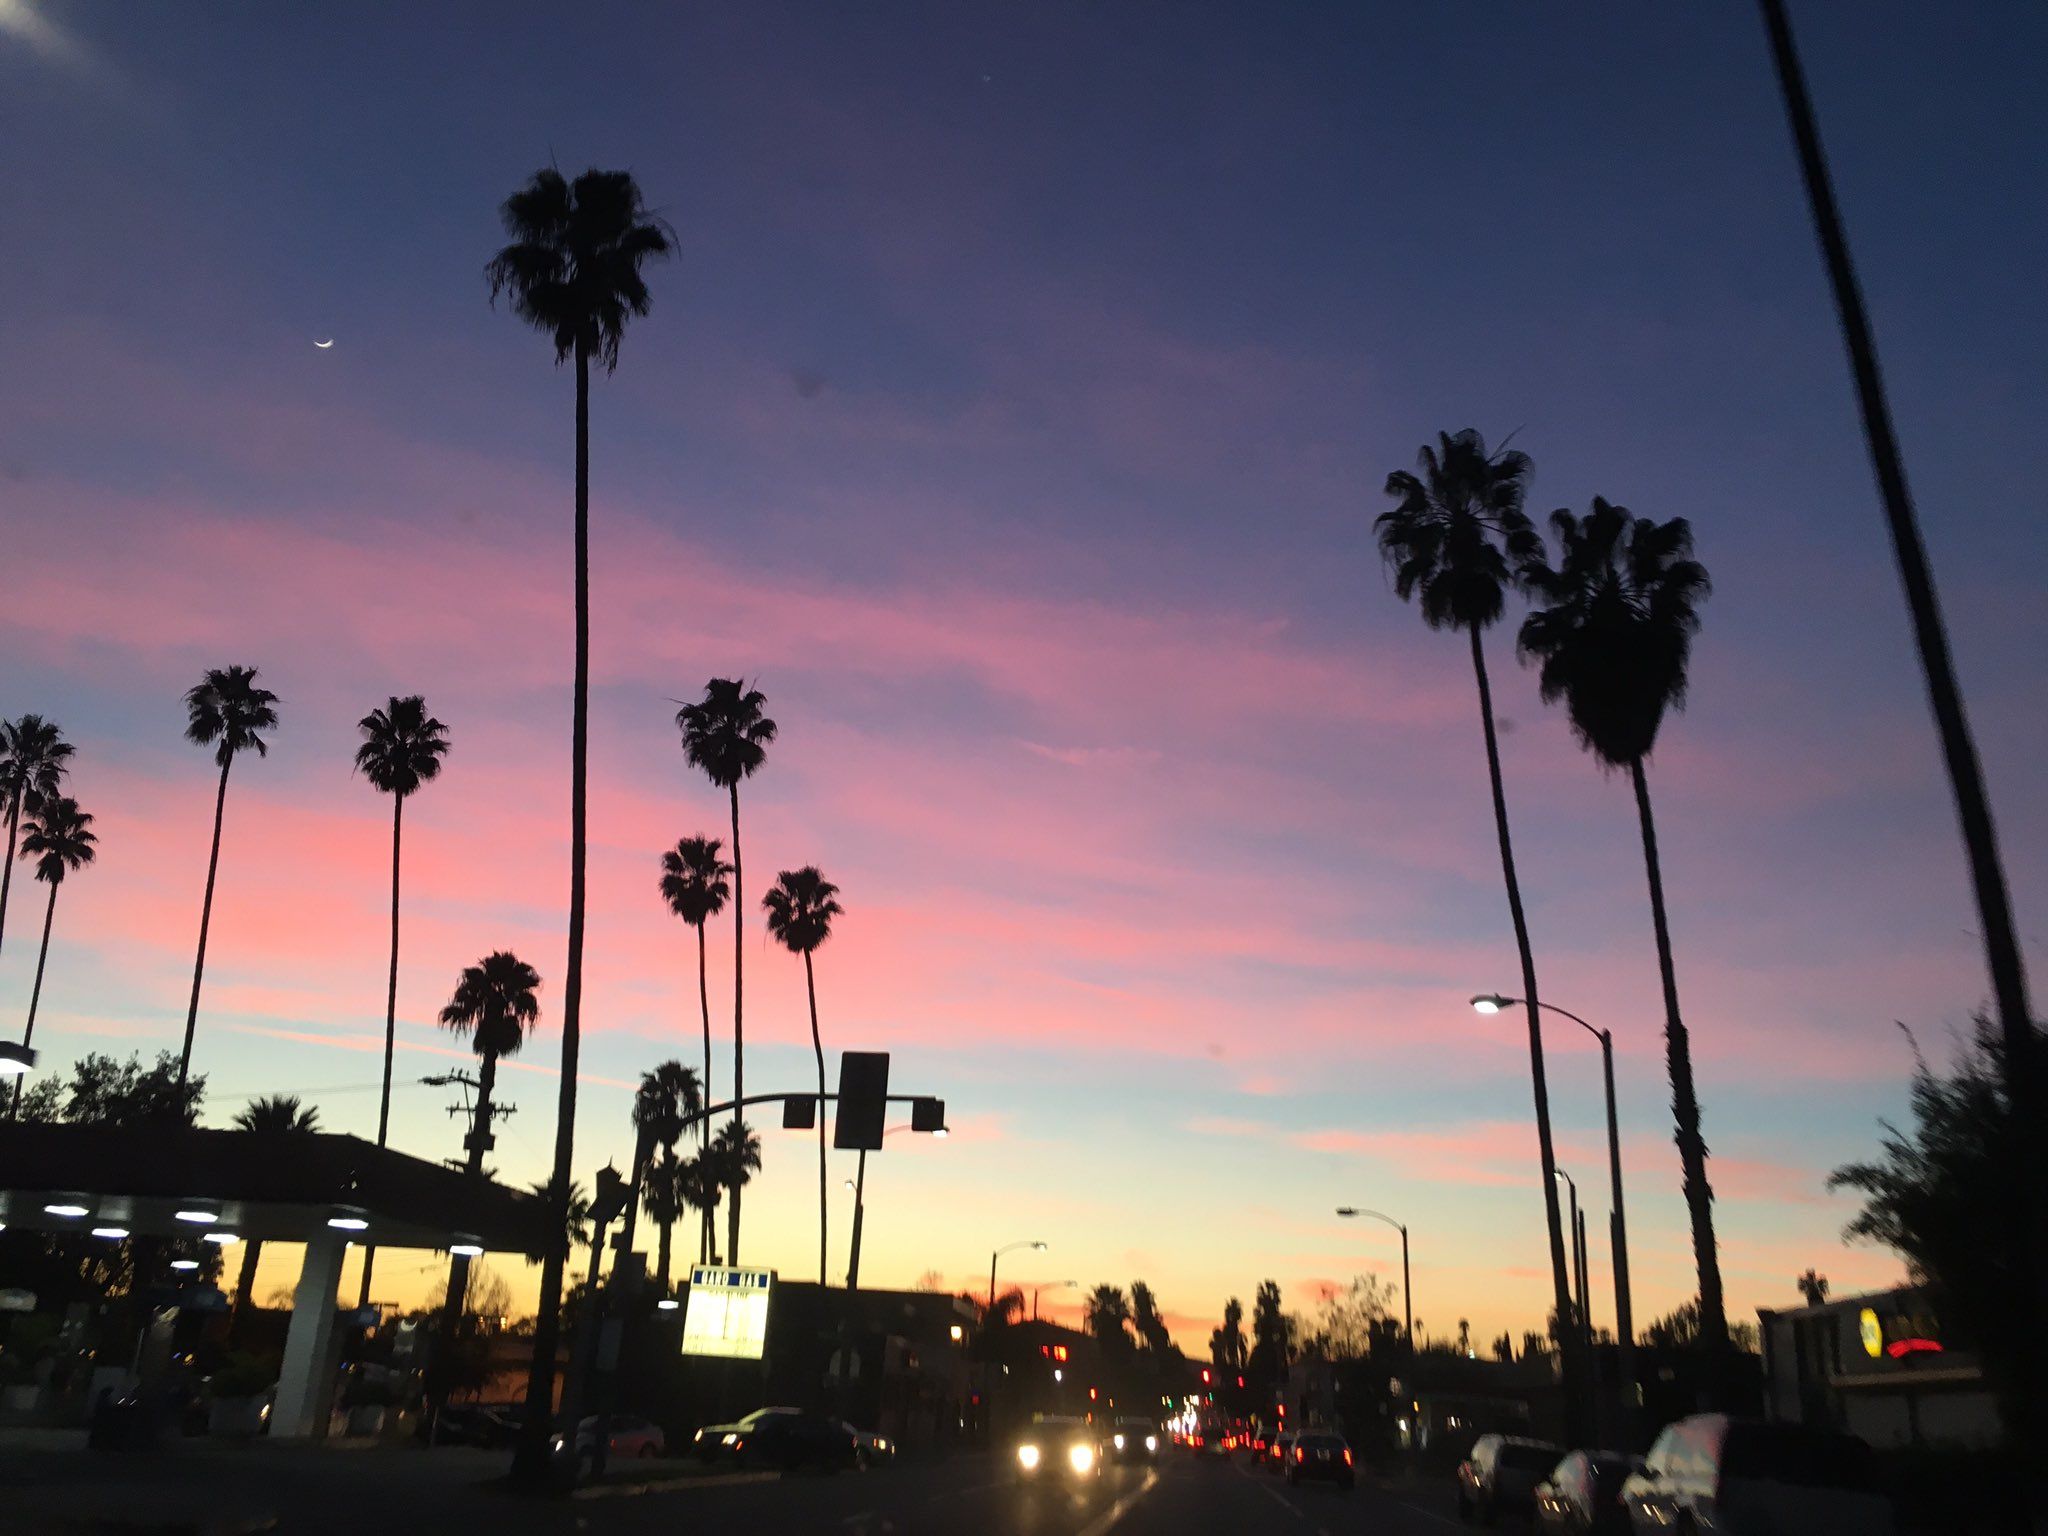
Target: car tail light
x=1300, y=1454
x=1347, y=1455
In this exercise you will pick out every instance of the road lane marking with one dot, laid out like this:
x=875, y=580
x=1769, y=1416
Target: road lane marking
x=1287, y=1504
x=1106, y=1522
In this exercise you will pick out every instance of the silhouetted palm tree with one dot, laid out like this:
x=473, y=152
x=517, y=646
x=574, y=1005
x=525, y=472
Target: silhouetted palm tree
x=1108, y=1316
x=662, y=1194
x=1146, y=1321
x=33, y=760
x=726, y=736
x=274, y=1115
x=571, y=270
x=701, y=1189
x=225, y=710
x=402, y=749
x=575, y=1214
x=800, y=910
x=60, y=840
x=495, y=1006
x=1614, y=639
x=693, y=884
x=1453, y=541
x=667, y=1096
x=735, y=1157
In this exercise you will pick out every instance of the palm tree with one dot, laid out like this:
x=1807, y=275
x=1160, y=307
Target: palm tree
x=34, y=758
x=693, y=885
x=575, y=1214
x=726, y=736
x=735, y=1158
x=495, y=1006
x=674, y=1185
x=1108, y=1316
x=667, y=1097
x=800, y=910
x=1452, y=541
x=225, y=710
x=571, y=270
x=701, y=1189
x=59, y=839
x=273, y=1116
x=402, y=749
x=1146, y=1321
x=1614, y=641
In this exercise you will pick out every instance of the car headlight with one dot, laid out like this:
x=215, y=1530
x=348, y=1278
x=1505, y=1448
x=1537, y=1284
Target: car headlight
x=1027, y=1457
x=1151, y=1442
x=1081, y=1457
x=881, y=1444
x=699, y=1436
x=730, y=1440
x=1118, y=1442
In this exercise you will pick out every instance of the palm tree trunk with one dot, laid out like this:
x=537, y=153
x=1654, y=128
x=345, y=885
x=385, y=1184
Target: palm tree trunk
x=2029, y=1235
x=245, y=1282
x=532, y=1459
x=818, y=1050
x=220, y=801
x=643, y=1149
x=662, y=1257
x=390, y=1024
x=7, y=872
x=1560, y=1286
x=1685, y=1107
x=35, y=996
x=739, y=1034
x=704, y=1005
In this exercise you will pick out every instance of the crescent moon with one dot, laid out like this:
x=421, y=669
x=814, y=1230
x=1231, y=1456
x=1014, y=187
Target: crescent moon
x=323, y=345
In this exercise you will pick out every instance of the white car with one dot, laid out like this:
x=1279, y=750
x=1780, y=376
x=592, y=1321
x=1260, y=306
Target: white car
x=1718, y=1476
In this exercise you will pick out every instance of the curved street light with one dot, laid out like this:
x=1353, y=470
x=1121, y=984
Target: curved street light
x=1407, y=1299
x=1029, y=1242
x=1050, y=1285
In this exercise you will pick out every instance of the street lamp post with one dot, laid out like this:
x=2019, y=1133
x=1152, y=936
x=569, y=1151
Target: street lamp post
x=859, y=1186
x=1624, y=1311
x=1050, y=1285
x=1407, y=1299
x=1029, y=1242
x=1578, y=1323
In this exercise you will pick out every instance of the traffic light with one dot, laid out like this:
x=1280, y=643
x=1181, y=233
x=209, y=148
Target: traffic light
x=1240, y=1383
x=863, y=1086
x=1205, y=1376
x=1091, y=1394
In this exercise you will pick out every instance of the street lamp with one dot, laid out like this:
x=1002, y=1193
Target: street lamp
x=859, y=1186
x=1617, y=1221
x=1029, y=1242
x=1407, y=1301
x=1578, y=1255
x=1050, y=1285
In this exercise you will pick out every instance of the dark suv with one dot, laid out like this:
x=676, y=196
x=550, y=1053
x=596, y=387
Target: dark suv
x=785, y=1438
x=1500, y=1476
x=1317, y=1457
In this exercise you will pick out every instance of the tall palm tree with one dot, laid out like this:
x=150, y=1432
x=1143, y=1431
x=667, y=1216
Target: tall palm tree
x=225, y=710
x=735, y=1158
x=495, y=1007
x=2023, y=1046
x=402, y=749
x=726, y=736
x=800, y=910
x=1614, y=639
x=575, y=1213
x=571, y=269
x=34, y=758
x=272, y=1116
x=61, y=841
x=701, y=1189
x=668, y=1096
x=693, y=884
x=1452, y=541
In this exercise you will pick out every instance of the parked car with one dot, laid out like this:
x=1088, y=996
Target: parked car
x=1500, y=1476
x=1712, y=1474
x=870, y=1450
x=784, y=1438
x=1317, y=1457
x=626, y=1436
x=1582, y=1495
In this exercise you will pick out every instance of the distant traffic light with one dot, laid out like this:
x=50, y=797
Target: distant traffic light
x=1240, y=1383
x=1205, y=1376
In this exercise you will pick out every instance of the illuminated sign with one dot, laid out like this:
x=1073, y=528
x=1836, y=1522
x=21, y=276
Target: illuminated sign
x=1872, y=1331
x=728, y=1312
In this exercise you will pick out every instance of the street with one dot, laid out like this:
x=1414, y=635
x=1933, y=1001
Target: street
x=308, y=1491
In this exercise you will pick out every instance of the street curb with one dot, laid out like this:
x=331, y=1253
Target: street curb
x=670, y=1485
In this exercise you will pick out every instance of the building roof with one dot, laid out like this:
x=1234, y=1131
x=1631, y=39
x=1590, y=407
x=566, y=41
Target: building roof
x=256, y=1184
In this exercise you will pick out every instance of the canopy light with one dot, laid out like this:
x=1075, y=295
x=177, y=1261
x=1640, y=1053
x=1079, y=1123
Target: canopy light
x=66, y=1208
x=667, y=1304
x=199, y=1215
x=222, y=1239
x=110, y=1232
x=184, y=1263
x=464, y=1244
x=15, y=1059
x=347, y=1218
x=1490, y=1002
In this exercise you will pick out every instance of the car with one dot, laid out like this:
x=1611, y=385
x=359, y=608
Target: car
x=626, y=1436
x=783, y=1438
x=1131, y=1439
x=870, y=1450
x=1278, y=1450
x=1055, y=1446
x=1582, y=1495
x=1319, y=1457
x=1714, y=1474
x=1500, y=1475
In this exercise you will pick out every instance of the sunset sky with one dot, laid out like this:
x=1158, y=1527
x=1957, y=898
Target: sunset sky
x=1015, y=415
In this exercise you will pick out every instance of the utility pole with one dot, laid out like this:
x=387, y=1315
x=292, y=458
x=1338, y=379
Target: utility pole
x=480, y=1113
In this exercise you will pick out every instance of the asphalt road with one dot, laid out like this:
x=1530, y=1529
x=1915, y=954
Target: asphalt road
x=303, y=1491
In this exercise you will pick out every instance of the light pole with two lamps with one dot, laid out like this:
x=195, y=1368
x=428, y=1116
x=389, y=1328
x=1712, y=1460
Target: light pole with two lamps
x=1407, y=1301
x=1050, y=1285
x=1029, y=1242
x=859, y=1185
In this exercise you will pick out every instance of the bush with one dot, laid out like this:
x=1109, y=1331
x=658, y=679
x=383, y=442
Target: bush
x=243, y=1374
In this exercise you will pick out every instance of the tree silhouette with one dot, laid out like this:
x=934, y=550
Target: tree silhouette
x=693, y=884
x=1107, y=1313
x=668, y=1095
x=1272, y=1334
x=225, y=710
x=1452, y=542
x=402, y=749
x=272, y=1117
x=725, y=737
x=1226, y=1344
x=34, y=758
x=61, y=842
x=735, y=1157
x=575, y=1215
x=1145, y=1319
x=1614, y=641
x=571, y=269
x=700, y=1188
x=662, y=1192
x=800, y=910
x=1814, y=1287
